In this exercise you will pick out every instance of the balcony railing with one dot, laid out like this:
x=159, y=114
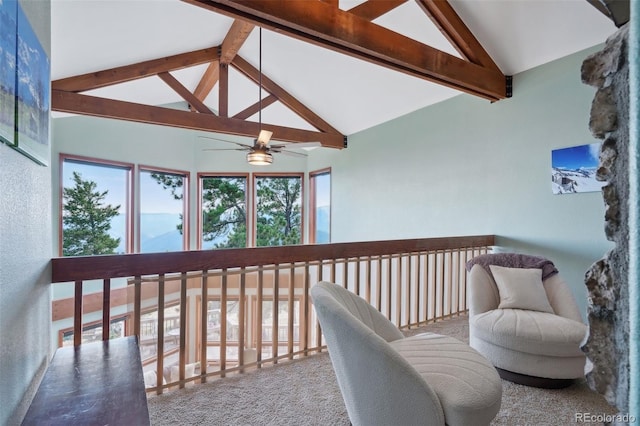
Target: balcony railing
x=200, y=314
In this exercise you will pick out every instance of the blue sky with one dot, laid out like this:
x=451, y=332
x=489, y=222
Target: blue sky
x=154, y=199
x=576, y=156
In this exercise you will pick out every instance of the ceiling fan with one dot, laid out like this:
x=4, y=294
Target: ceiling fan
x=260, y=153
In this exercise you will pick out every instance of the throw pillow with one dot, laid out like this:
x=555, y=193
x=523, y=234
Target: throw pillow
x=521, y=288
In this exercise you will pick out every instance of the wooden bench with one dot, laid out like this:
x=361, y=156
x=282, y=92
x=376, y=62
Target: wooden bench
x=95, y=383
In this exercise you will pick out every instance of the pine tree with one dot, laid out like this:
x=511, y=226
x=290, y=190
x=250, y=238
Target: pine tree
x=279, y=213
x=86, y=220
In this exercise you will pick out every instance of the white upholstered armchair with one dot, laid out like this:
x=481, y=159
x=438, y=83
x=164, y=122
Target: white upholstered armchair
x=386, y=379
x=525, y=320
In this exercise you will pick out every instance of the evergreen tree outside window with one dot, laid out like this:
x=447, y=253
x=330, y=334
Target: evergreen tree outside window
x=223, y=201
x=278, y=210
x=94, y=208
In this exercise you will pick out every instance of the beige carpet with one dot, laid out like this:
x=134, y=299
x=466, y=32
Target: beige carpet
x=305, y=392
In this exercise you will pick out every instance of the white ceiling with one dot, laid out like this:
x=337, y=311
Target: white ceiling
x=350, y=94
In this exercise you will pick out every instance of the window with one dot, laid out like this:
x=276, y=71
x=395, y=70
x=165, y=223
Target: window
x=223, y=218
x=278, y=210
x=163, y=207
x=320, y=203
x=95, y=207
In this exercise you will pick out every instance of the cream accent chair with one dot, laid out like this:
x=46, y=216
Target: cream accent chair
x=529, y=347
x=387, y=379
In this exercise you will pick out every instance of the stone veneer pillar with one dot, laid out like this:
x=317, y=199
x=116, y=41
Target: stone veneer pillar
x=607, y=279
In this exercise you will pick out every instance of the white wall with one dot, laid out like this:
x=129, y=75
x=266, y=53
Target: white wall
x=25, y=253
x=466, y=167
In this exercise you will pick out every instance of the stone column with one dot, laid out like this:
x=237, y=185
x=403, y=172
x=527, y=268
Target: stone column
x=607, y=280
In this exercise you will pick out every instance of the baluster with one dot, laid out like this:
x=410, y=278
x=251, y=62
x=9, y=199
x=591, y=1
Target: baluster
x=160, y=325
x=106, y=309
x=137, y=305
x=259, y=299
x=183, y=327
x=275, y=313
x=241, y=318
x=77, y=314
x=204, y=322
x=306, y=312
x=292, y=279
x=223, y=323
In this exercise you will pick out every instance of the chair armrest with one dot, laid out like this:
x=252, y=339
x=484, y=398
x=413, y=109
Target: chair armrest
x=482, y=294
x=561, y=298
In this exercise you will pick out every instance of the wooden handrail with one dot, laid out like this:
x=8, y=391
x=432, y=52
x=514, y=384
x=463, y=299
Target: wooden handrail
x=412, y=282
x=65, y=269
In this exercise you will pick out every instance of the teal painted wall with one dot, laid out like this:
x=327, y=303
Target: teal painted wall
x=466, y=166
x=25, y=253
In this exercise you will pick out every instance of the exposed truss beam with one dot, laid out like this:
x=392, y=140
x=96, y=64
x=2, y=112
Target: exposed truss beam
x=253, y=109
x=184, y=93
x=223, y=91
x=76, y=103
x=117, y=75
x=208, y=81
x=373, y=9
x=234, y=40
x=458, y=34
x=341, y=31
x=283, y=96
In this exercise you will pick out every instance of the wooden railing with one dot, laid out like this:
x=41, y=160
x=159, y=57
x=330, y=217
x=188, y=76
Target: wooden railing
x=213, y=312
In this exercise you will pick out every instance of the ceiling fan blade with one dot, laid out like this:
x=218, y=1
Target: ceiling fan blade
x=264, y=137
x=296, y=145
x=223, y=140
x=226, y=149
x=304, y=145
x=290, y=153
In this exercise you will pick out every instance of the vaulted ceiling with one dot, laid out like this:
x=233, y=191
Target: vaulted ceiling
x=329, y=68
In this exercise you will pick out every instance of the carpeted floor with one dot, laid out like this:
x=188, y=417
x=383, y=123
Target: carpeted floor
x=305, y=392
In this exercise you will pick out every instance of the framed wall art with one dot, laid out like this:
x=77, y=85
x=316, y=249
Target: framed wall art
x=574, y=169
x=32, y=93
x=8, y=49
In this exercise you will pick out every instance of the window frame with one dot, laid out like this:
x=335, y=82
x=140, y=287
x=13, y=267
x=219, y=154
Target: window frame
x=186, y=200
x=248, y=212
x=254, y=203
x=313, y=203
x=129, y=195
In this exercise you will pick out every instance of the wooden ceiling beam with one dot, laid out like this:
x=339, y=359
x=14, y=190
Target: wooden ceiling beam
x=458, y=34
x=283, y=96
x=249, y=111
x=233, y=41
x=223, y=91
x=208, y=81
x=235, y=38
x=196, y=103
x=76, y=103
x=144, y=69
x=344, y=32
x=373, y=9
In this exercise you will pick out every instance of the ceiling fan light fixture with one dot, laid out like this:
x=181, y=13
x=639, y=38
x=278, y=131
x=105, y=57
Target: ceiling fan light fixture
x=259, y=158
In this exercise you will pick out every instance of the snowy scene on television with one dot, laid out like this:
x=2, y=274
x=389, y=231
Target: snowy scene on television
x=573, y=169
